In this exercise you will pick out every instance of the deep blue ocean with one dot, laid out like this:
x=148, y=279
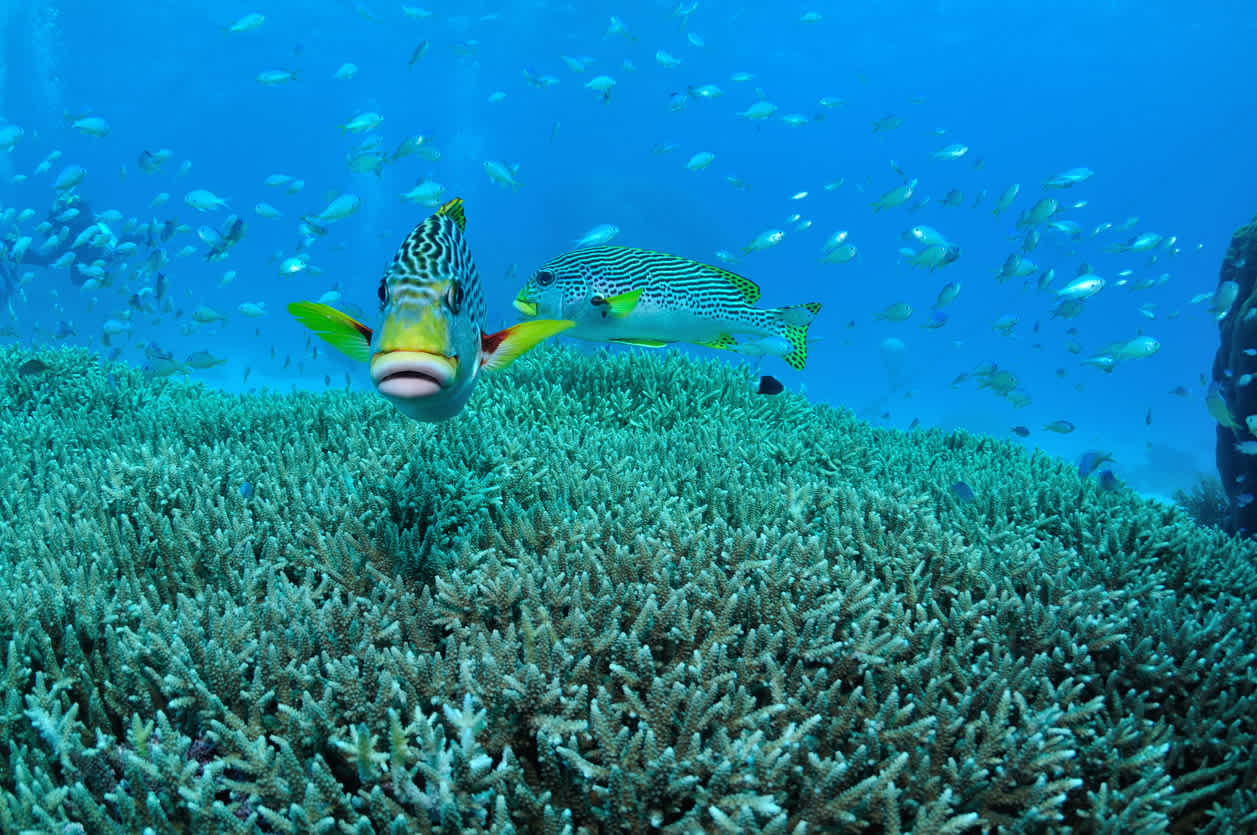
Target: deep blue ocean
x=1155, y=98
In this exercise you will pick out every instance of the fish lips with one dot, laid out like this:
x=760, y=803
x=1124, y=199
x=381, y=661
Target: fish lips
x=525, y=307
x=412, y=375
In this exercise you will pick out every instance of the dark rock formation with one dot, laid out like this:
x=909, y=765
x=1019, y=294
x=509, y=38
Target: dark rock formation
x=1238, y=329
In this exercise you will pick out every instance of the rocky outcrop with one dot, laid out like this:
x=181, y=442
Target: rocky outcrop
x=1231, y=370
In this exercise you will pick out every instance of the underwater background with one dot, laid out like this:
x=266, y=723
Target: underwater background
x=624, y=589
x=1148, y=96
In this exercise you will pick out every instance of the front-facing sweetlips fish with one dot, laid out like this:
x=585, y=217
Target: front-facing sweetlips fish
x=639, y=297
x=430, y=346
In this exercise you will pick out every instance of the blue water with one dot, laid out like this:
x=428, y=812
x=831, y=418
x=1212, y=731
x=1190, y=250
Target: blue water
x=1156, y=98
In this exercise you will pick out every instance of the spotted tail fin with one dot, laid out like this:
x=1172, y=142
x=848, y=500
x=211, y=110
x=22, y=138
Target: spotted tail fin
x=795, y=321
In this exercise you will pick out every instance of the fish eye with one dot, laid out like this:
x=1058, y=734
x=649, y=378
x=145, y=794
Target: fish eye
x=545, y=278
x=455, y=296
x=383, y=291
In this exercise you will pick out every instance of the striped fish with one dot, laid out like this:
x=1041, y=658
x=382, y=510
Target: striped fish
x=640, y=297
x=428, y=351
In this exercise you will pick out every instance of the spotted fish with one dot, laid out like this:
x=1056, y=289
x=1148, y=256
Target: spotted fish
x=430, y=346
x=639, y=297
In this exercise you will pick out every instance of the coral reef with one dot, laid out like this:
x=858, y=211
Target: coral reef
x=1238, y=332
x=619, y=593
x=1207, y=503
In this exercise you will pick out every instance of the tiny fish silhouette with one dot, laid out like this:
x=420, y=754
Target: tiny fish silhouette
x=769, y=384
x=963, y=492
x=31, y=368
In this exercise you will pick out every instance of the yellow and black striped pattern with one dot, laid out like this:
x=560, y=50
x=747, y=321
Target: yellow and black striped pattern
x=681, y=300
x=433, y=253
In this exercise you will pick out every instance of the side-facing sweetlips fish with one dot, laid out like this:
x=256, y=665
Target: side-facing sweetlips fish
x=430, y=346
x=639, y=297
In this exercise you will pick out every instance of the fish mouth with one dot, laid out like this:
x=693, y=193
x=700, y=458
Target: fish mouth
x=524, y=306
x=409, y=375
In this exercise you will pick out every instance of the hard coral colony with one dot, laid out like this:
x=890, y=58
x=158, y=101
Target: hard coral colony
x=733, y=613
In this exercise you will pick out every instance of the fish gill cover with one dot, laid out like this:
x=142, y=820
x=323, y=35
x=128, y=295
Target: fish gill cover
x=617, y=594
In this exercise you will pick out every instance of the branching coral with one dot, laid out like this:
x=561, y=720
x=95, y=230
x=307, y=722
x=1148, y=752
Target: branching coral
x=617, y=593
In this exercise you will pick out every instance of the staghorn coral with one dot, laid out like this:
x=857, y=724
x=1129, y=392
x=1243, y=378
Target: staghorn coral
x=618, y=593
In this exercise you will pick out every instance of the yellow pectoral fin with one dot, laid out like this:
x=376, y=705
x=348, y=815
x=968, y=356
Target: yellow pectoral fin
x=498, y=350
x=623, y=304
x=342, y=332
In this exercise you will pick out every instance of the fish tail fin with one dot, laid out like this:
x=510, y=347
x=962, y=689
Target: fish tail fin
x=795, y=321
x=498, y=350
x=342, y=332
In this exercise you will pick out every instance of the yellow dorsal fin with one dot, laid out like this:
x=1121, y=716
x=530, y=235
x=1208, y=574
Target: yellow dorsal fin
x=749, y=289
x=622, y=304
x=342, y=332
x=454, y=211
x=498, y=350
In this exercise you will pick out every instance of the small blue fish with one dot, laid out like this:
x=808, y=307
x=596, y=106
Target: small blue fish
x=246, y=490
x=1091, y=461
x=32, y=368
x=1108, y=481
x=963, y=492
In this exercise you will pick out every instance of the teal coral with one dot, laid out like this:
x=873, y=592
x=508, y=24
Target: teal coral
x=617, y=592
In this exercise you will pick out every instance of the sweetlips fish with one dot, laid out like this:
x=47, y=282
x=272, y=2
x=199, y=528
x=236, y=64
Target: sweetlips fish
x=640, y=297
x=430, y=347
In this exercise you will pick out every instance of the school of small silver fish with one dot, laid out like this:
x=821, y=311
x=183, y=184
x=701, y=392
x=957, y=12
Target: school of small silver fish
x=124, y=277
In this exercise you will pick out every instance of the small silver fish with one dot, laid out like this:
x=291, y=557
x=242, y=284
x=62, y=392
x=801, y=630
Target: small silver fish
x=600, y=234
